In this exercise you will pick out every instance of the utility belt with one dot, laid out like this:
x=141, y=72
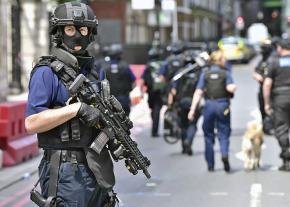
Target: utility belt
x=216, y=98
x=67, y=155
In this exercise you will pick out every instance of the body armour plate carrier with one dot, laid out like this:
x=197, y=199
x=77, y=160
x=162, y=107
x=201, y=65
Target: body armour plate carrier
x=53, y=139
x=117, y=74
x=72, y=134
x=281, y=81
x=215, y=84
x=187, y=85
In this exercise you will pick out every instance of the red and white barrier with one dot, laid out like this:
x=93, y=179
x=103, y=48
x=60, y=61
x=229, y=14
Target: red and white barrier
x=16, y=144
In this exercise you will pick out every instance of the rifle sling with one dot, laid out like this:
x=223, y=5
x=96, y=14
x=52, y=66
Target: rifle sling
x=54, y=172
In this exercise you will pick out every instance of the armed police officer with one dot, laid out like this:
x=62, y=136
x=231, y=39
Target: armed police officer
x=66, y=127
x=155, y=86
x=276, y=90
x=174, y=61
x=217, y=85
x=259, y=75
x=120, y=76
x=181, y=96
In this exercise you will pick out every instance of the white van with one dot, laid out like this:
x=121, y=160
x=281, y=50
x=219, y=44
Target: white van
x=257, y=33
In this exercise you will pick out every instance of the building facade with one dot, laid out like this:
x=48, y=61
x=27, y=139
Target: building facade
x=3, y=50
x=198, y=20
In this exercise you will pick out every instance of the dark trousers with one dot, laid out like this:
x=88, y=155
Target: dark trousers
x=188, y=128
x=281, y=106
x=216, y=114
x=155, y=114
x=155, y=104
x=261, y=102
x=76, y=188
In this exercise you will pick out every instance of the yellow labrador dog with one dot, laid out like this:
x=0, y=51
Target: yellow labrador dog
x=251, y=145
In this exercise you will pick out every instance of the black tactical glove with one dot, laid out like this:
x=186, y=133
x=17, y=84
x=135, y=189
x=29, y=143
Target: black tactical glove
x=89, y=115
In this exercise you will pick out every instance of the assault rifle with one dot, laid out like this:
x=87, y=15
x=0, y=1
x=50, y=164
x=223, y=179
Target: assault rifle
x=200, y=61
x=114, y=119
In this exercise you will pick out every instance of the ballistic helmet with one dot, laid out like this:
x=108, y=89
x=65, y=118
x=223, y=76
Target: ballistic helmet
x=190, y=55
x=115, y=51
x=155, y=53
x=176, y=48
x=72, y=14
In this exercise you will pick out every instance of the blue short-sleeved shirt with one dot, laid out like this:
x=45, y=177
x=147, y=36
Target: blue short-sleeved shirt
x=201, y=81
x=46, y=90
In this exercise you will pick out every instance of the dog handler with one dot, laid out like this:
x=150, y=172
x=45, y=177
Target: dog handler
x=276, y=91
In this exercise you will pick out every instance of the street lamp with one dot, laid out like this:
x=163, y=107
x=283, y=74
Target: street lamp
x=171, y=5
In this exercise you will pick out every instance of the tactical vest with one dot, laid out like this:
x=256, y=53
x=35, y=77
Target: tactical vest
x=175, y=62
x=215, y=84
x=152, y=78
x=117, y=75
x=71, y=135
x=187, y=85
x=281, y=78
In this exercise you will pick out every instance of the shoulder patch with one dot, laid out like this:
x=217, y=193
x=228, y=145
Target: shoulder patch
x=284, y=62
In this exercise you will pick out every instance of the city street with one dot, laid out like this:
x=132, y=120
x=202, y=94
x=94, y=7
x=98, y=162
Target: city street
x=183, y=181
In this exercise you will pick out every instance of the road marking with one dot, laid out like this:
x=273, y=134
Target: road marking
x=162, y=194
x=256, y=193
x=276, y=194
x=151, y=184
x=219, y=193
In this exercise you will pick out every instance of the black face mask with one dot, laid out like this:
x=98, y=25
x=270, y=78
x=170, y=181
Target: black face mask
x=76, y=40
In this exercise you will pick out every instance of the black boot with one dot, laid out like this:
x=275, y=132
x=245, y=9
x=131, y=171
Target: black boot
x=285, y=166
x=187, y=148
x=226, y=162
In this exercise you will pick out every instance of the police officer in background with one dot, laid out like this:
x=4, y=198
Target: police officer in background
x=174, y=61
x=100, y=61
x=171, y=65
x=155, y=86
x=276, y=90
x=181, y=96
x=259, y=75
x=65, y=128
x=120, y=76
x=217, y=85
